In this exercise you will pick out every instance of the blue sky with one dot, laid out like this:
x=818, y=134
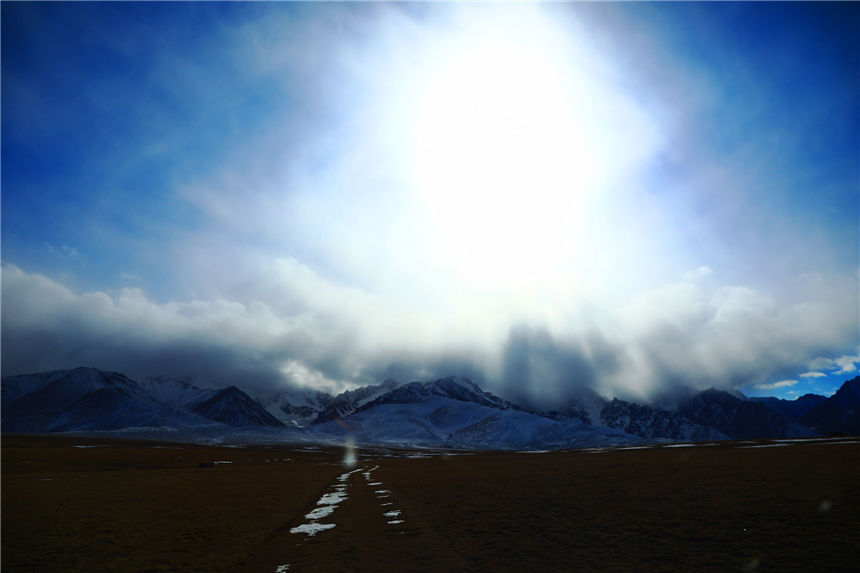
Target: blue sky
x=627, y=196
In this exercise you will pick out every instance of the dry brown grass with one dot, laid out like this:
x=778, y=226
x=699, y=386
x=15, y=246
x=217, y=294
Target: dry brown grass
x=132, y=507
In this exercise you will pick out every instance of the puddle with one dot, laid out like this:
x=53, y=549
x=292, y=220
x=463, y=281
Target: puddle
x=395, y=521
x=392, y=513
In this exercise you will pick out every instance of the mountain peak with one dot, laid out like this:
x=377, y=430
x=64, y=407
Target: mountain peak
x=233, y=407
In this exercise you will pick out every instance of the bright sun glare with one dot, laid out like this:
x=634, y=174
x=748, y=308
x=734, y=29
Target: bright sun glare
x=515, y=133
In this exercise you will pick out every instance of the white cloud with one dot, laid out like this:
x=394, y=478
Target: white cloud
x=846, y=364
x=813, y=375
x=298, y=326
x=775, y=385
x=698, y=274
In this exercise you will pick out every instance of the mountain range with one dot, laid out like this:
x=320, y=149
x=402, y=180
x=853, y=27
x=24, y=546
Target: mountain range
x=449, y=412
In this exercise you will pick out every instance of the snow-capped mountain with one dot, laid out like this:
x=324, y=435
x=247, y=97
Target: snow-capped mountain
x=345, y=403
x=88, y=399
x=177, y=394
x=296, y=407
x=454, y=412
x=451, y=412
x=459, y=389
x=234, y=408
x=79, y=399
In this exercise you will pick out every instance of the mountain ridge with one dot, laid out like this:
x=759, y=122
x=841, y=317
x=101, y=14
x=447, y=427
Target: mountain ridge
x=450, y=412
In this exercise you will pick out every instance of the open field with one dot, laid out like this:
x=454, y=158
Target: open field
x=93, y=504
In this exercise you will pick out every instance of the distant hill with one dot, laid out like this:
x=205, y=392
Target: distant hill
x=839, y=414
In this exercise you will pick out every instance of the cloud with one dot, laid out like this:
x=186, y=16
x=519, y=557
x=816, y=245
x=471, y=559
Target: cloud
x=300, y=328
x=845, y=364
x=698, y=274
x=813, y=375
x=775, y=385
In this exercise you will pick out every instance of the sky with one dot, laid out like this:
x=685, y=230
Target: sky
x=629, y=197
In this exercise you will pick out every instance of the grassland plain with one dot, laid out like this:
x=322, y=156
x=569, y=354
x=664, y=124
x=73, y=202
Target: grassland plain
x=97, y=504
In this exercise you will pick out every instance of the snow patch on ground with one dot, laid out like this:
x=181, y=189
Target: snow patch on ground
x=332, y=498
x=327, y=504
x=392, y=514
x=312, y=528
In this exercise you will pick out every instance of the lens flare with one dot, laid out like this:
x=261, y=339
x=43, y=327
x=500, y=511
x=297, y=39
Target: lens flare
x=349, y=456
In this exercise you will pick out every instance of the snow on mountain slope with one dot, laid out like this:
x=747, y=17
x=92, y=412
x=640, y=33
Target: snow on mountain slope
x=454, y=412
x=522, y=430
x=175, y=393
x=345, y=403
x=460, y=389
x=295, y=406
x=451, y=412
x=88, y=399
x=234, y=408
x=428, y=422
x=78, y=399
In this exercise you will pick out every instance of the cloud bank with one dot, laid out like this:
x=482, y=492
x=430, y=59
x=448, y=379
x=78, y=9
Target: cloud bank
x=335, y=338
